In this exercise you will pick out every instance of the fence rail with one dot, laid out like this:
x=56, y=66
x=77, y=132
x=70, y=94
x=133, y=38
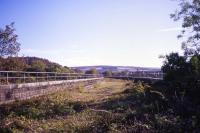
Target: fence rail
x=16, y=77
x=148, y=74
x=157, y=75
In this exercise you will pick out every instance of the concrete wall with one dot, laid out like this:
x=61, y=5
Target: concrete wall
x=10, y=93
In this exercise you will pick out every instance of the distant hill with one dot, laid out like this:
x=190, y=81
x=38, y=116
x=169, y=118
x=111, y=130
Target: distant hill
x=30, y=60
x=30, y=64
x=103, y=68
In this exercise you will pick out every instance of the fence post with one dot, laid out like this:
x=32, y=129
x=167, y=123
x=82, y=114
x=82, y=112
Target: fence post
x=37, y=77
x=7, y=77
x=24, y=77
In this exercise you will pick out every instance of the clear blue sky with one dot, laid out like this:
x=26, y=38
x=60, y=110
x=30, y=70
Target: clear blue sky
x=94, y=32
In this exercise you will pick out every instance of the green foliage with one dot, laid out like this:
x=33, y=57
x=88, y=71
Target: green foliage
x=175, y=67
x=12, y=64
x=139, y=87
x=31, y=64
x=38, y=66
x=9, y=46
x=195, y=63
x=58, y=68
x=183, y=76
x=92, y=71
x=107, y=73
x=136, y=108
x=189, y=14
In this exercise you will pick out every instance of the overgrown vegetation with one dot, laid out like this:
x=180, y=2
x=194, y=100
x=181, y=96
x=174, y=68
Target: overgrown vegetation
x=183, y=71
x=172, y=105
x=111, y=106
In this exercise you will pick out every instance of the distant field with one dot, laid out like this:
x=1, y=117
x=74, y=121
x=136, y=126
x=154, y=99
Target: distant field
x=110, y=106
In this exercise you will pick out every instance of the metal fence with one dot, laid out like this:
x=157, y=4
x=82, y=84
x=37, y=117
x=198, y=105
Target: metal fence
x=147, y=74
x=142, y=74
x=16, y=77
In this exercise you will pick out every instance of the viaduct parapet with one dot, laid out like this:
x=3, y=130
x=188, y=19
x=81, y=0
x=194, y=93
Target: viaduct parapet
x=13, y=92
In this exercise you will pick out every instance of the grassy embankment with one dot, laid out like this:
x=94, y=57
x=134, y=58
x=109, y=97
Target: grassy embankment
x=111, y=106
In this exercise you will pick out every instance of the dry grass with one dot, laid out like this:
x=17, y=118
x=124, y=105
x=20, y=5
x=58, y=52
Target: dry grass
x=110, y=106
x=80, y=115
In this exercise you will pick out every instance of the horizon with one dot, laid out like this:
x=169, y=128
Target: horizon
x=93, y=33
x=113, y=66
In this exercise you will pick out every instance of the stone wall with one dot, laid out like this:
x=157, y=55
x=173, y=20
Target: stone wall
x=10, y=93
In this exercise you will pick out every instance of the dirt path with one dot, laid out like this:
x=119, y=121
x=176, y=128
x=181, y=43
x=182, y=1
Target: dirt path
x=103, y=90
